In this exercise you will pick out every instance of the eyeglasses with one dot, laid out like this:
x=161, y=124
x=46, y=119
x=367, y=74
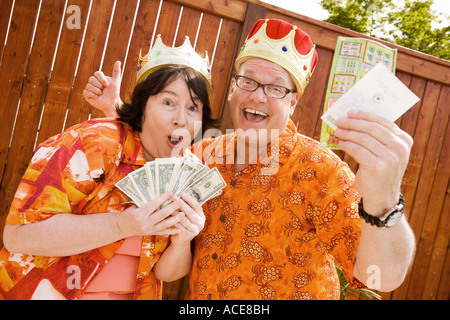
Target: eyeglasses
x=270, y=90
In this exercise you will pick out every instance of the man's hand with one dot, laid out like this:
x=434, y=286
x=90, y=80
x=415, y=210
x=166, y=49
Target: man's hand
x=103, y=92
x=382, y=150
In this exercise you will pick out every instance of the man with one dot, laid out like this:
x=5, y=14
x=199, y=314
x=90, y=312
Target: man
x=277, y=235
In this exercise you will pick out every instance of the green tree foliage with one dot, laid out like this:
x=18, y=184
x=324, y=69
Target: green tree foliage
x=412, y=25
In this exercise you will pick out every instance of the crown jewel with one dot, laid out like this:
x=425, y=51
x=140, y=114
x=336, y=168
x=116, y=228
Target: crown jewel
x=161, y=55
x=282, y=52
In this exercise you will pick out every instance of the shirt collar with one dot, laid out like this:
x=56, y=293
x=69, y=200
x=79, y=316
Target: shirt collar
x=277, y=154
x=132, y=152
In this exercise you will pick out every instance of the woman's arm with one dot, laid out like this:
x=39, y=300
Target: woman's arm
x=176, y=260
x=67, y=234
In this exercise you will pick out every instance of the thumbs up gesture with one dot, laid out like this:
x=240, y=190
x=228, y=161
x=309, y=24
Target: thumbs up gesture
x=103, y=92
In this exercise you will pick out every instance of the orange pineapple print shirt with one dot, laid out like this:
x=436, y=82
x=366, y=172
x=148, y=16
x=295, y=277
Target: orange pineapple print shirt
x=277, y=236
x=75, y=172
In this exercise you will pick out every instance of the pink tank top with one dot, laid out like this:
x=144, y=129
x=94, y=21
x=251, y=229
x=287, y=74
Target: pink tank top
x=117, y=279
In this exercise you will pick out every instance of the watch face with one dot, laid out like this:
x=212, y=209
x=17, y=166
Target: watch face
x=393, y=218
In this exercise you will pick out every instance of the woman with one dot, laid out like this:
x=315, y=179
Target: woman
x=70, y=231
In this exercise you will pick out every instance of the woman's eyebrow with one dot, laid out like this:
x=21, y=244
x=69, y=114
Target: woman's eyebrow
x=170, y=92
x=194, y=97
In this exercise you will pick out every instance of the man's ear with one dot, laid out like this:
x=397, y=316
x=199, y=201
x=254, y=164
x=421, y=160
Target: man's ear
x=294, y=101
x=231, y=89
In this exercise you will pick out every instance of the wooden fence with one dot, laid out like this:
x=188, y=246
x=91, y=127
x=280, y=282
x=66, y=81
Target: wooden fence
x=49, y=55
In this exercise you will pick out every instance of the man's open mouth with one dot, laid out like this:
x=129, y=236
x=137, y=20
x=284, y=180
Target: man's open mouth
x=254, y=115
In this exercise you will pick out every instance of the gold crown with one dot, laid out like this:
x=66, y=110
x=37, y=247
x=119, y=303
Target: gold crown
x=161, y=55
x=280, y=51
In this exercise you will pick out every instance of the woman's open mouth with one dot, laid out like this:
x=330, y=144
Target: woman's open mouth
x=173, y=141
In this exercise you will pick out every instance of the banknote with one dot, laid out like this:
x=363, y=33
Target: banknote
x=164, y=167
x=140, y=182
x=126, y=186
x=149, y=168
x=177, y=175
x=207, y=186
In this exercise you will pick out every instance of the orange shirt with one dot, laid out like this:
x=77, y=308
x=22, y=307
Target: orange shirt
x=276, y=236
x=76, y=172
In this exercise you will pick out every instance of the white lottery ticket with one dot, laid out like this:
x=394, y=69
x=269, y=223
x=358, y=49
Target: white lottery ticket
x=379, y=92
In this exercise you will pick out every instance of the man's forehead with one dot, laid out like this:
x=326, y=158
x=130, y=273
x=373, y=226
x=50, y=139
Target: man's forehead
x=276, y=72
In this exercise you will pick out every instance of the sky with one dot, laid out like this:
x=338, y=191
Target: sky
x=312, y=8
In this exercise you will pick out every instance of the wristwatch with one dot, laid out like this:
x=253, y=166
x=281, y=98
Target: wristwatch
x=389, y=219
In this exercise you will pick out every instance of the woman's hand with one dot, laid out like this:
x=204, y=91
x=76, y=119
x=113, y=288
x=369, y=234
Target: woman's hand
x=150, y=219
x=176, y=260
x=193, y=220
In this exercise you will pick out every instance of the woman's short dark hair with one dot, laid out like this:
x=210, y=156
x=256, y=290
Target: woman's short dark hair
x=133, y=112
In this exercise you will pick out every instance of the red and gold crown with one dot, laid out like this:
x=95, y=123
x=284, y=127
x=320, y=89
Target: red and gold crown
x=161, y=55
x=284, y=44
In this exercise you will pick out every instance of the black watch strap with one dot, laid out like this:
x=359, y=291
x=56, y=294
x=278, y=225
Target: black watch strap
x=375, y=221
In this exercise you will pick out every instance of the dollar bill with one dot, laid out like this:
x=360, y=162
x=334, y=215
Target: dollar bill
x=150, y=170
x=139, y=180
x=126, y=186
x=192, y=178
x=177, y=174
x=207, y=186
x=164, y=168
x=188, y=169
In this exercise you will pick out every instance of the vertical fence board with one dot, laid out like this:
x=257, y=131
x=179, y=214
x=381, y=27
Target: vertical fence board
x=5, y=11
x=91, y=55
x=312, y=103
x=416, y=202
x=32, y=98
x=168, y=20
x=429, y=217
x=141, y=39
x=118, y=40
x=443, y=288
x=61, y=80
x=189, y=22
x=437, y=219
x=15, y=61
x=223, y=64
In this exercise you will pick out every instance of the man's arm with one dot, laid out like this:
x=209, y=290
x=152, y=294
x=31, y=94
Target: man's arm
x=384, y=255
x=382, y=151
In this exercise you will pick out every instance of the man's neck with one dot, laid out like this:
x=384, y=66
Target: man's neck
x=248, y=155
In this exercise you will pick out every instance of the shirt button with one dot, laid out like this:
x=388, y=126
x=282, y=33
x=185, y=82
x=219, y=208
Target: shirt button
x=209, y=296
x=233, y=182
x=214, y=256
x=222, y=217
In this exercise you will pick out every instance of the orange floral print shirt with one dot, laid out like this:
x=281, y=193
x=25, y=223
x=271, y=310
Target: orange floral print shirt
x=277, y=236
x=75, y=172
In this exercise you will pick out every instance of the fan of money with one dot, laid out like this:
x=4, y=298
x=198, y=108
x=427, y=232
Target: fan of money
x=176, y=174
